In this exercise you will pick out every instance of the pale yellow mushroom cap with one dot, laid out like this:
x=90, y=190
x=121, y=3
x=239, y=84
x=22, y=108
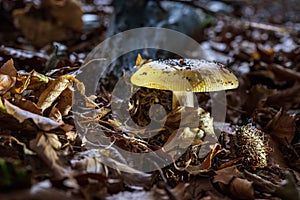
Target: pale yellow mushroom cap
x=186, y=75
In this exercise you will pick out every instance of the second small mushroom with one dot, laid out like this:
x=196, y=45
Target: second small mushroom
x=184, y=77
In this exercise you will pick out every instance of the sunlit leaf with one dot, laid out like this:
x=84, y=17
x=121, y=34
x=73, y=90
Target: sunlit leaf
x=32, y=81
x=52, y=92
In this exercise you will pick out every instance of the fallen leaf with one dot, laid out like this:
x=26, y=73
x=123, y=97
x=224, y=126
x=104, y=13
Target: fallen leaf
x=28, y=106
x=30, y=81
x=288, y=188
x=6, y=82
x=52, y=92
x=9, y=69
x=285, y=188
x=283, y=73
x=207, y=163
x=200, y=186
x=226, y=175
x=287, y=98
x=260, y=184
x=282, y=127
x=21, y=115
x=56, y=115
x=276, y=157
x=241, y=189
x=230, y=183
x=8, y=75
x=64, y=103
x=44, y=145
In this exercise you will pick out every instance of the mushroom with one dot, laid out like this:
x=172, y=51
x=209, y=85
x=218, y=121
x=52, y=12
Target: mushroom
x=183, y=77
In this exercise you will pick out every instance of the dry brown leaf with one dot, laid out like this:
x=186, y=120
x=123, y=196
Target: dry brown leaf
x=276, y=156
x=230, y=183
x=64, y=103
x=282, y=127
x=9, y=69
x=179, y=191
x=42, y=190
x=288, y=98
x=200, y=186
x=44, y=145
x=6, y=82
x=260, y=183
x=285, y=189
x=226, y=175
x=207, y=163
x=52, y=92
x=241, y=189
x=30, y=81
x=283, y=73
x=254, y=97
x=53, y=140
x=288, y=188
x=21, y=115
x=55, y=115
x=8, y=75
x=27, y=105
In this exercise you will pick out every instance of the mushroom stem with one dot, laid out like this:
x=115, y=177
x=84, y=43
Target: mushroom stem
x=183, y=99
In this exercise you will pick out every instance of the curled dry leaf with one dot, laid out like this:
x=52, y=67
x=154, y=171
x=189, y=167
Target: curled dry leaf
x=56, y=88
x=44, y=145
x=6, y=82
x=21, y=115
x=207, y=163
x=52, y=92
x=27, y=105
x=287, y=98
x=241, y=189
x=31, y=81
x=64, y=104
x=226, y=175
x=201, y=186
x=55, y=115
x=230, y=183
x=8, y=75
x=285, y=189
x=282, y=127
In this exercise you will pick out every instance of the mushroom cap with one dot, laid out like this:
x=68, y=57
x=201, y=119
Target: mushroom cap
x=185, y=75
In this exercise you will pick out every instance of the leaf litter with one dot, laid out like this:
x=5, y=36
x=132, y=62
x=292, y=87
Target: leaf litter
x=43, y=154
